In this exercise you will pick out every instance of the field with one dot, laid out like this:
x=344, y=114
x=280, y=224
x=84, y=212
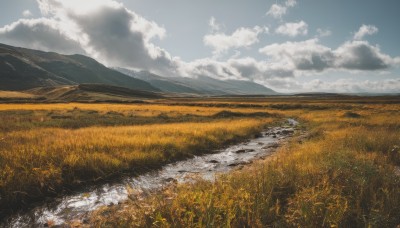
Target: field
x=50, y=148
x=342, y=173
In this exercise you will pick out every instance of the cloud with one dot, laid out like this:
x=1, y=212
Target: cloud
x=293, y=29
x=365, y=30
x=353, y=86
x=360, y=55
x=43, y=34
x=27, y=13
x=240, y=68
x=288, y=61
x=306, y=55
x=310, y=55
x=277, y=10
x=105, y=30
x=290, y=3
x=290, y=85
x=242, y=37
x=324, y=32
x=214, y=25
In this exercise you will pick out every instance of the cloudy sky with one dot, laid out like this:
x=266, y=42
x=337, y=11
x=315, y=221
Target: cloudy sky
x=287, y=45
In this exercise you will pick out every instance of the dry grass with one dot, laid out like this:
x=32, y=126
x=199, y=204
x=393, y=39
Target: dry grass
x=38, y=162
x=126, y=109
x=341, y=176
x=13, y=94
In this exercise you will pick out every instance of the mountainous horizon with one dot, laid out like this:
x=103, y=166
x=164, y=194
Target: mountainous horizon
x=200, y=85
x=24, y=69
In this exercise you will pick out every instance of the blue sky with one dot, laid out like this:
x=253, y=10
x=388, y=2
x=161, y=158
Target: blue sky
x=290, y=46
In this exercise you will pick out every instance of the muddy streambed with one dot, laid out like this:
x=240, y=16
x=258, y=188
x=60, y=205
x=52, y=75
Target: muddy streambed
x=76, y=207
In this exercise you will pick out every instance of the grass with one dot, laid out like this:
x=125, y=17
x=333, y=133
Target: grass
x=72, y=116
x=44, y=153
x=14, y=94
x=341, y=175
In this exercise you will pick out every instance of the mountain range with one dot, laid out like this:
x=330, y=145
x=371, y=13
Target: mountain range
x=200, y=85
x=25, y=69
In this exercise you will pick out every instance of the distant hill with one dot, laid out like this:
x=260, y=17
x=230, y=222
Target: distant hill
x=201, y=85
x=319, y=94
x=92, y=93
x=22, y=69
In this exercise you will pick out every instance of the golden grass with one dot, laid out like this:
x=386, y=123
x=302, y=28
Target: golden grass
x=13, y=94
x=341, y=176
x=137, y=109
x=40, y=162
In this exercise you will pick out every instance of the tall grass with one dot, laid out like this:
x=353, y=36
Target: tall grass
x=33, y=116
x=341, y=176
x=41, y=162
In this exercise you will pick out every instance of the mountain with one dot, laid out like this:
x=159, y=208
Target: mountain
x=201, y=85
x=164, y=84
x=22, y=69
x=226, y=87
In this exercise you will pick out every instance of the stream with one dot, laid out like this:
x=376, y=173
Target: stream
x=77, y=206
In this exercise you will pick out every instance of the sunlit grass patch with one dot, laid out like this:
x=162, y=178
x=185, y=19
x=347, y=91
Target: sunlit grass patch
x=40, y=162
x=340, y=174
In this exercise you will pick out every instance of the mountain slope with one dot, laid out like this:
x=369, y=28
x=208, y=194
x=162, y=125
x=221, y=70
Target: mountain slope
x=92, y=93
x=164, y=84
x=201, y=85
x=226, y=87
x=22, y=69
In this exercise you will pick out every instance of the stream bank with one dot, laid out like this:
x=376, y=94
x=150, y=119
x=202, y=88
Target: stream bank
x=77, y=206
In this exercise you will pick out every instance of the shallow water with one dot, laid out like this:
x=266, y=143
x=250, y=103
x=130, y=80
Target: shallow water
x=77, y=206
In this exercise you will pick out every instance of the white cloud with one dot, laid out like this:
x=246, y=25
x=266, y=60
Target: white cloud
x=27, y=13
x=242, y=37
x=290, y=85
x=310, y=55
x=242, y=68
x=365, y=30
x=214, y=25
x=288, y=61
x=290, y=3
x=277, y=10
x=351, y=86
x=306, y=55
x=293, y=29
x=324, y=32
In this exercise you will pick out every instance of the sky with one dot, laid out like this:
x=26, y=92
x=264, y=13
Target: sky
x=286, y=45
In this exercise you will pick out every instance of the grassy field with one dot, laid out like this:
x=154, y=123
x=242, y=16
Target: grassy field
x=342, y=173
x=49, y=148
